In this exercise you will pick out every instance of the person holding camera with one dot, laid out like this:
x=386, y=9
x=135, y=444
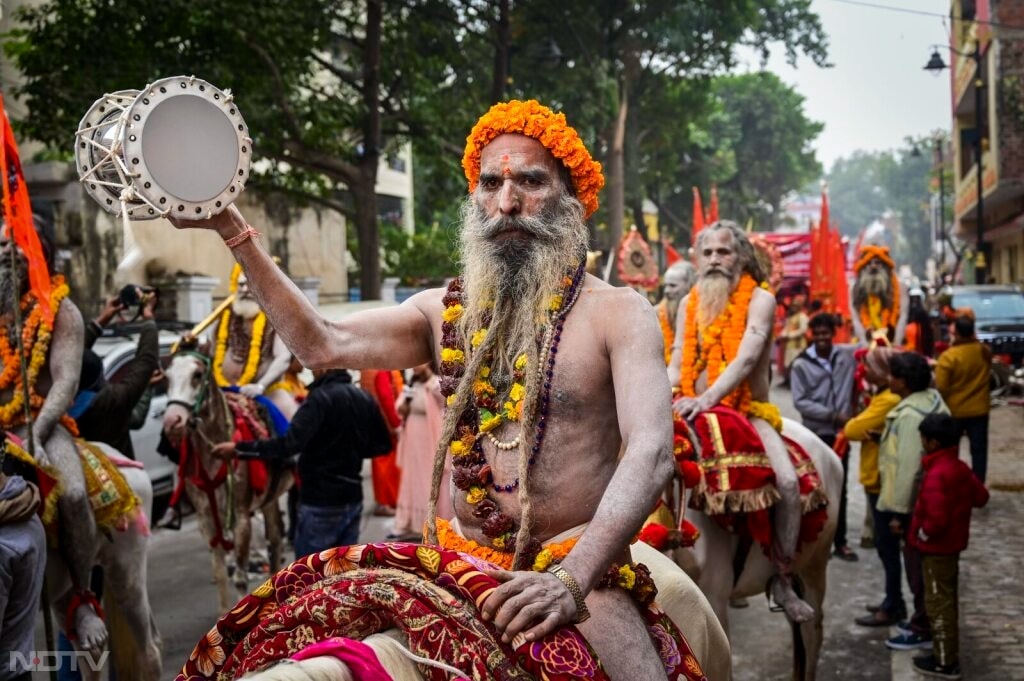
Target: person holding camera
x=104, y=411
x=336, y=427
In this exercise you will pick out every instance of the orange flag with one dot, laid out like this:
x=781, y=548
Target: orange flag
x=698, y=216
x=672, y=256
x=18, y=217
x=713, y=209
x=840, y=288
x=821, y=284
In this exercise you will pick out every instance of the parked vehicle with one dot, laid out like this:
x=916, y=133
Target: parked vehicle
x=117, y=350
x=999, y=318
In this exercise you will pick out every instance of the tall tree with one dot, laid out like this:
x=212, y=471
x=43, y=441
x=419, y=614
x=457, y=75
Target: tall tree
x=325, y=85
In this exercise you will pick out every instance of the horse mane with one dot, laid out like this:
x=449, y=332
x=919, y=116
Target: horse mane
x=312, y=669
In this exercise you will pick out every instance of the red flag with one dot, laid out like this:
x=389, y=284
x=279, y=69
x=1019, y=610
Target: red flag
x=713, y=209
x=18, y=217
x=672, y=256
x=698, y=216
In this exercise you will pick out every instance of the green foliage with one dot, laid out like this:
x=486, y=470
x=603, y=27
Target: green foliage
x=867, y=185
x=426, y=257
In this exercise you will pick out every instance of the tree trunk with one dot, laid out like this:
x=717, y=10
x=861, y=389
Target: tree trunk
x=365, y=199
x=617, y=180
x=503, y=43
x=365, y=193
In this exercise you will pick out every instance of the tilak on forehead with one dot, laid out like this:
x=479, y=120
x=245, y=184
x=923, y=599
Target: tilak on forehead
x=533, y=119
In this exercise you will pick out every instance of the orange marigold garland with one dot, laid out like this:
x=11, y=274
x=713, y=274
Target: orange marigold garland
x=36, y=335
x=533, y=119
x=719, y=343
x=668, y=334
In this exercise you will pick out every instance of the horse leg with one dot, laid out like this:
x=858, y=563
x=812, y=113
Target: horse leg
x=273, y=526
x=243, y=536
x=811, y=633
x=204, y=512
x=135, y=640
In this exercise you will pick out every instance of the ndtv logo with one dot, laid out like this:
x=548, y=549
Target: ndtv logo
x=53, y=660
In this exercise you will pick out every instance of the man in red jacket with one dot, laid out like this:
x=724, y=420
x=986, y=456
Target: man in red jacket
x=939, y=530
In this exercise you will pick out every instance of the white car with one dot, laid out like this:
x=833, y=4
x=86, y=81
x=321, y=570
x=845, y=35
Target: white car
x=117, y=350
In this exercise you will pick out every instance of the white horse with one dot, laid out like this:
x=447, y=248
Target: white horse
x=133, y=636
x=712, y=561
x=199, y=411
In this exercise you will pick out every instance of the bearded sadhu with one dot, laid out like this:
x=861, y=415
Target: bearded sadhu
x=248, y=352
x=879, y=302
x=679, y=280
x=558, y=450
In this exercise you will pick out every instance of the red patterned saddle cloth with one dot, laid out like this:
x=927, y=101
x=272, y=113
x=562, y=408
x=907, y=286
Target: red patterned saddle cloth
x=430, y=594
x=737, y=485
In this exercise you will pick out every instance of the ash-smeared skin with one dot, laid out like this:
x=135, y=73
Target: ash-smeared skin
x=717, y=252
x=54, y=446
x=609, y=390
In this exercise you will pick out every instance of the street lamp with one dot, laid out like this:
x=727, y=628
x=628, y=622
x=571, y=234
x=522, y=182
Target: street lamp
x=936, y=64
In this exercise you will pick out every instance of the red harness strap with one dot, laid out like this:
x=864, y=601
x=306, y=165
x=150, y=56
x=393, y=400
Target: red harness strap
x=208, y=485
x=79, y=598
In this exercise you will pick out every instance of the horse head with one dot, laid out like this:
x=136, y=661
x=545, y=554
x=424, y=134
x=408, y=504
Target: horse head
x=188, y=384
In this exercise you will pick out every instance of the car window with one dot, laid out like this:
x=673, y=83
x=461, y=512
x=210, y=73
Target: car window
x=991, y=305
x=119, y=372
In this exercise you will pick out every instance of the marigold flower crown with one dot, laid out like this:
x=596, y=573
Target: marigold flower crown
x=533, y=119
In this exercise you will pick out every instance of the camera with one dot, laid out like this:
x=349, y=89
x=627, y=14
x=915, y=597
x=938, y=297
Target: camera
x=133, y=294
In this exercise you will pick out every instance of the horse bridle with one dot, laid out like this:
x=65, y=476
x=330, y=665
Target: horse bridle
x=196, y=406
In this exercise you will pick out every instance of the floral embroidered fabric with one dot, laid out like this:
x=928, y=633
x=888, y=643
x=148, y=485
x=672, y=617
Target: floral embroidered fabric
x=430, y=594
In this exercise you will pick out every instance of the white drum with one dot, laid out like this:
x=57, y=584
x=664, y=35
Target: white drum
x=177, y=148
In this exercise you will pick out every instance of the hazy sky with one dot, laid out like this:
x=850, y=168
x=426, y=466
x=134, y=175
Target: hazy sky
x=876, y=92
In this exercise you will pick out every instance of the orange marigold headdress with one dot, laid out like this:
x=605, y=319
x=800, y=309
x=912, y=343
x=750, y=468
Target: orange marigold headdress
x=871, y=251
x=533, y=119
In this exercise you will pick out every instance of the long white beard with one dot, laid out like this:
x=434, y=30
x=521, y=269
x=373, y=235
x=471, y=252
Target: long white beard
x=713, y=292
x=517, y=276
x=246, y=308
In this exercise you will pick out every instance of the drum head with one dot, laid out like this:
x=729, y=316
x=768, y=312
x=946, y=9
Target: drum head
x=188, y=147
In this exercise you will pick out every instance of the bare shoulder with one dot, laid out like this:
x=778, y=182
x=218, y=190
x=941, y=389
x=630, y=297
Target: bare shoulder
x=430, y=303
x=68, y=315
x=618, y=310
x=762, y=302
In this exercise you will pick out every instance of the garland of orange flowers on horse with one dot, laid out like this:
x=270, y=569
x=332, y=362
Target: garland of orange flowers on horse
x=712, y=346
x=36, y=335
x=873, y=315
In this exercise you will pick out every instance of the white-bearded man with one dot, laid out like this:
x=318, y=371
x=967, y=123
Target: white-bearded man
x=733, y=311
x=53, y=390
x=679, y=279
x=523, y=242
x=238, y=360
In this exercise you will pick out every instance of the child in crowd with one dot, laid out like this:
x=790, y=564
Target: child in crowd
x=939, y=529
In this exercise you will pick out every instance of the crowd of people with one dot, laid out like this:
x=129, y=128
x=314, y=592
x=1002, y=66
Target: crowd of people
x=909, y=411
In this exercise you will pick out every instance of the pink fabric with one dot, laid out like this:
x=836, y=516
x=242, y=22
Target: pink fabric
x=358, y=657
x=421, y=432
x=122, y=462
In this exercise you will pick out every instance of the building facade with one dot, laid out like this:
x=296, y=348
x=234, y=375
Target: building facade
x=987, y=85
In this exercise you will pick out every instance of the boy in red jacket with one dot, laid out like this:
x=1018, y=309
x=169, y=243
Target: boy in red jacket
x=939, y=529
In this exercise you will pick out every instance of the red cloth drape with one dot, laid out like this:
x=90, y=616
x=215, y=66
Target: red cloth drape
x=386, y=474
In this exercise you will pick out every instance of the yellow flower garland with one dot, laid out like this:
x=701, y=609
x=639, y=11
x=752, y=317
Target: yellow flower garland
x=252, y=361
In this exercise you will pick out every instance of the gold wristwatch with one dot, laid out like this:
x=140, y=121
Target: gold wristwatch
x=582, y=614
